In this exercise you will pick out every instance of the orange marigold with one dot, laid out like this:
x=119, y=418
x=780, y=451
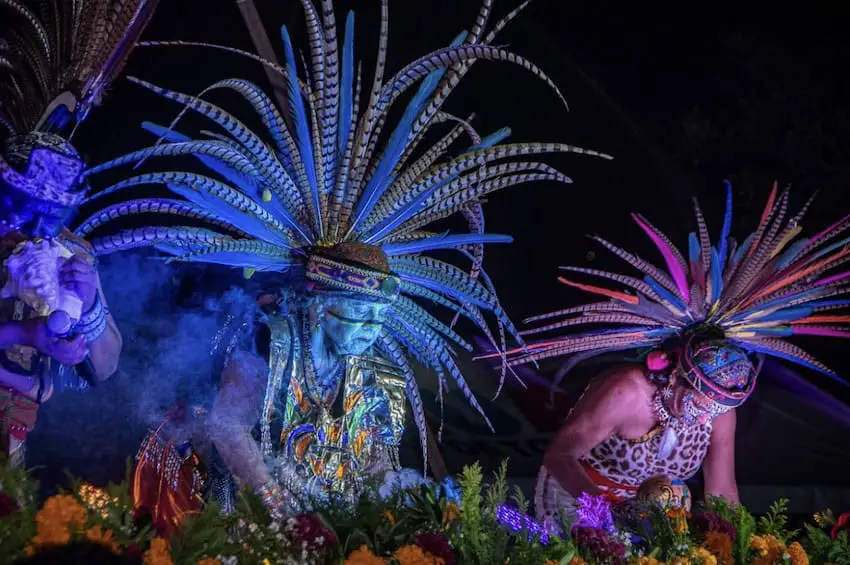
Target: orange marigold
x=797, y=554
x=681, y=561
x=363, y=556
x=646, y=560
x=103, y=537
x=702, y=556
x=770, y=549
x=720, y=546
x=57, y=518
x=389, y=516
x=450, y=513
x=159, y=553
x=577, y=561
x=415, y=555
x=209, y=561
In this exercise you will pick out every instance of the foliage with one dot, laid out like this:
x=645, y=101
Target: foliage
x=420, y=525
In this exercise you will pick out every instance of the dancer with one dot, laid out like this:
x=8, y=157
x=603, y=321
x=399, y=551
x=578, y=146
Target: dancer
x=704, y=326
x=346, y=222
x=58, y=59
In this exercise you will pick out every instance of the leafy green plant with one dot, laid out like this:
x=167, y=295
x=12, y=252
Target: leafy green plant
x=775, y=522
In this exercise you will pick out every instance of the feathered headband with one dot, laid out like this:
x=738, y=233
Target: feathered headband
x=757, y=294
x=281, y=198
x=55, y=63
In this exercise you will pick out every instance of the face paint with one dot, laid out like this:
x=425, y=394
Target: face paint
x=698, y=409
x=352, y=325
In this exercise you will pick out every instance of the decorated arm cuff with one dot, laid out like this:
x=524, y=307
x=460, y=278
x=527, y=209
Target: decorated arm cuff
x=92, y=324
x=272, y=496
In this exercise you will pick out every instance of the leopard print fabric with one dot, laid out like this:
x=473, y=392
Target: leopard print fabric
x=627, y=462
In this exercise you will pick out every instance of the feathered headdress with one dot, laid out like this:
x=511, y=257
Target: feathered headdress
x=288, y=197
x=55, y=61
x=756, y=295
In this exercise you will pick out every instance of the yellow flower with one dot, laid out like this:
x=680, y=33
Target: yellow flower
x=681, y=561
x=450, y=513
x=720, y=546
x=389, y=516
x=159, y=553
x=769, y=549
x=96, y=498
x=104, y=538
x=646, y=560
x=415, y=555
x=798, y=554
x=363, y=556
x=209, y=561
x=678, y=520
x=703, y=556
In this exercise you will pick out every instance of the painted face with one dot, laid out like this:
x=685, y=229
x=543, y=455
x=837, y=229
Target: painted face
x=698, y=409
x=352, y=324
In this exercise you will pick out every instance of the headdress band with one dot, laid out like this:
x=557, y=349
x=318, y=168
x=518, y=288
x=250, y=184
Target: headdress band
x=344, y=276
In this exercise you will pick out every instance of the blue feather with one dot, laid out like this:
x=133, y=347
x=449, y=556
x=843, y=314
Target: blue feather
x=491, y=140
x=302, y=126
x=716, y=276
x=665, y=294
x=228, y=213
x=791, y=253
x=443, y=242
x=693, y=248
x=774, y=304
x=397, y=143
x=780, y=331
x=785, y=315
x=831, y=248
x=436, y=286
x=750, y=346
x=406, y=212
x=727, y=227
x=346, y=100
x=246, y=184
x=743, y=249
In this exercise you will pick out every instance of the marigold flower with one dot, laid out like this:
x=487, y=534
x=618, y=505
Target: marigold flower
x=703, y=556
x=103, y=537
x=450, y=513
x=646, y=560
x=209, y=561
x=54, y=522
x=389, y=516
x=720, y=546
x=769, y=548
x=577, y=561
x=159, y=553
x=797, y=554
x=681, y=561
x=415, y=555
x=363, y=556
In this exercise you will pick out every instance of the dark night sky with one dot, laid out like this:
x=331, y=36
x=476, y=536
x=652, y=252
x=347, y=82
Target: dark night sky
x=681, y=99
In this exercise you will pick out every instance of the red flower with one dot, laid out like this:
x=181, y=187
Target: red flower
x=8, y=505
x=310, y=528
x=437, y=545
x=841, y=525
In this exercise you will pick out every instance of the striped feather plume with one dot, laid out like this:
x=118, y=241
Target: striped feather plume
x=343, y=172
x=759, y=294
x=58, y=56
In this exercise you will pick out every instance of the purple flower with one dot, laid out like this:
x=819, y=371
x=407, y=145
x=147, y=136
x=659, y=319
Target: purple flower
x=595, y=512
x=599, y=545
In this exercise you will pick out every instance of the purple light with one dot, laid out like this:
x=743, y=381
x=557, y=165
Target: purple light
x=514, y=519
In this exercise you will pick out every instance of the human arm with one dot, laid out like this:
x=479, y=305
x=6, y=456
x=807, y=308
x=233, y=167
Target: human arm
x=719, y=465
x=608, y=404
x=235, y=411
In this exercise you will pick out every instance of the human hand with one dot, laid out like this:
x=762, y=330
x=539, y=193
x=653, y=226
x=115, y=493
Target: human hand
x=66, y=351
x=79, y=275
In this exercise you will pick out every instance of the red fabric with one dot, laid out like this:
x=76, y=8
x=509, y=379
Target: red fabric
x=152, y=493
x=17, y=417
x=604, y=482
x=842, y=524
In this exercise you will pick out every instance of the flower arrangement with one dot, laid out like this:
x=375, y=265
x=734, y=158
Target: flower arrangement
x=419, y=524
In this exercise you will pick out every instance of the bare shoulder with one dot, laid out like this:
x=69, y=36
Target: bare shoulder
x=623, y=382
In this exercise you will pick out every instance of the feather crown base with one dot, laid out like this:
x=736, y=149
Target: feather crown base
x=43, y=166
x=353, y=267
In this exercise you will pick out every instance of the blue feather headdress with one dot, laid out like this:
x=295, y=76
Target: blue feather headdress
x=755, y=295
x=322, y=182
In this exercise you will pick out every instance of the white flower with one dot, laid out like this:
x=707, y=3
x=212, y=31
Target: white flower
x=252, y=528
x=320, y=541
x=274, y=527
